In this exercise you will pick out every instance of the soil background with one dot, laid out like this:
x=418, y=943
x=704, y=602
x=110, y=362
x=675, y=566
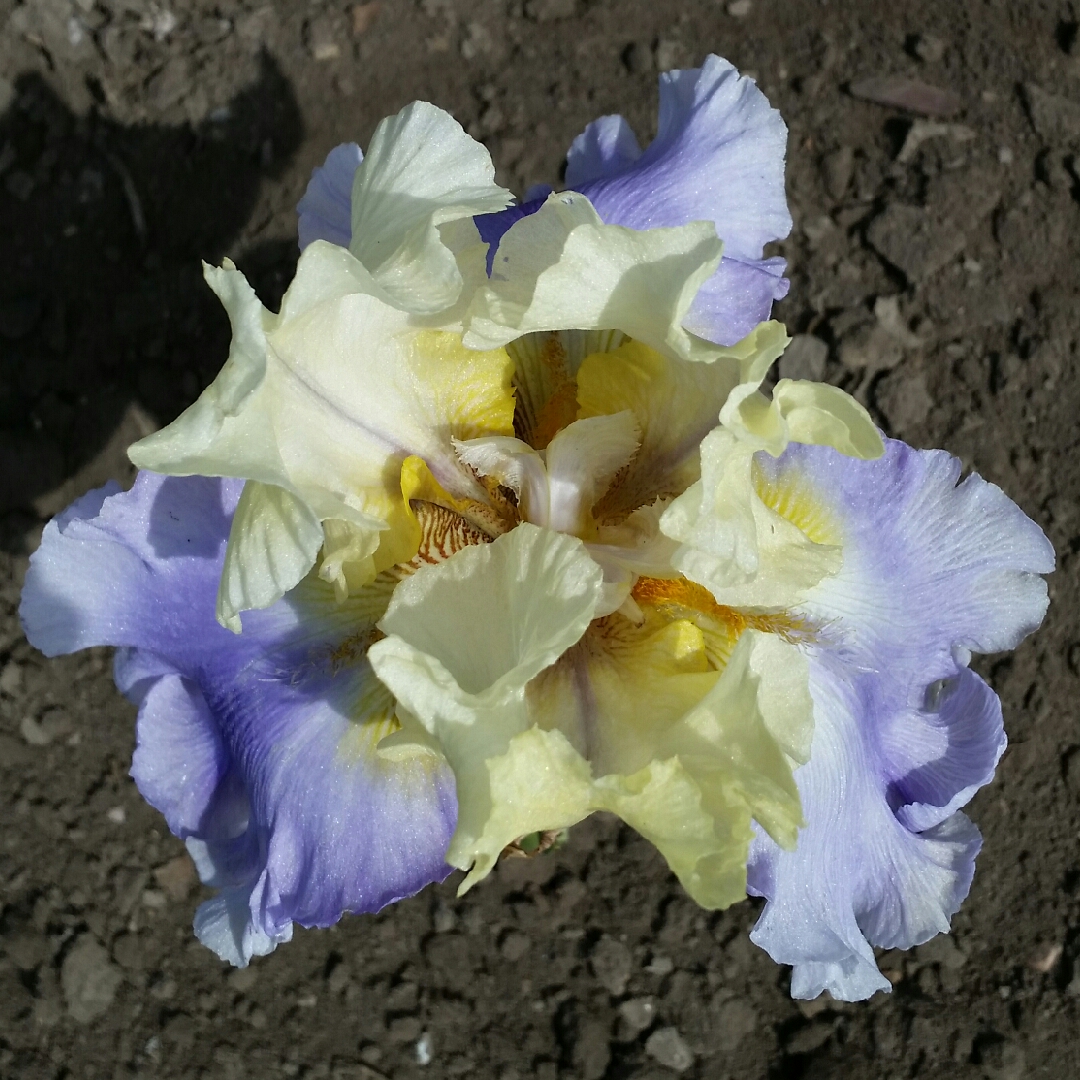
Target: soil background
x=934, y=268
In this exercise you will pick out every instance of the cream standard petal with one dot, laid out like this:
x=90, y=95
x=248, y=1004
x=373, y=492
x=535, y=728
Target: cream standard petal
x=420, y=171
x=177, y=449
x=273, y=543
x=735, y=544
x=563, y=268
x=328, y=400
x=464, y=639
x=675, y=404
x=685, y=754
x=805, y=412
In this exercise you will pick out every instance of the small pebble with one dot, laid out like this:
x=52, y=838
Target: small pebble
x=669, y=1048
x=637, y=1013
x=514, y=946
x=363, y=15
x=1045, y=961
x=929, y=49
x=611, y=963
x=177, y=877
x=739, y=9
x=89, y=980
x=424, y=1049
x=660, y=966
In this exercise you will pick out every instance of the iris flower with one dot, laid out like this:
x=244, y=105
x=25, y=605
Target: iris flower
x=493, y=525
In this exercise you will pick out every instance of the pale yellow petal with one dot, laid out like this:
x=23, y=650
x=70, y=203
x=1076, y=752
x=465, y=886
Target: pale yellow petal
x=801, y=411
x=563, y=268
x=464, y=637
x=743, y=551
x=348, y=561
x=676, y=404
x=273, y=543
x=825, y=416
x=787, y=708
x=541, y=782
x=329, y=399
x=616, y=693
x=704, y=845
x=687, y=755
x=180, y=448
x=545, y=372
x=420, y=171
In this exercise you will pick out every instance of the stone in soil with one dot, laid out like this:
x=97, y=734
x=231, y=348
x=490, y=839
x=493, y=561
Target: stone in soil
x=669, y=1048
x=177, y=877
x=909, y=238
x=636, y=1014
x=89, y=980
x=736, y=1019
x=1055, y=118
x=904, y=399
x=610, y=963
x=836, y=171
x=592, y=1050
x=909, y=94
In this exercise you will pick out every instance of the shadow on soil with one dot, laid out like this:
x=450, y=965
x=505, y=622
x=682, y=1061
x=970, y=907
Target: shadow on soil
x=102, y=229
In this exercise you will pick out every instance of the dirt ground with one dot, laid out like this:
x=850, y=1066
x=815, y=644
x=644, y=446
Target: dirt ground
x=934, y=274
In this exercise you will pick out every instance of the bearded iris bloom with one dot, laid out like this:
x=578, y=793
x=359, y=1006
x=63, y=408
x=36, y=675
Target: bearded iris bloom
x=492, y=525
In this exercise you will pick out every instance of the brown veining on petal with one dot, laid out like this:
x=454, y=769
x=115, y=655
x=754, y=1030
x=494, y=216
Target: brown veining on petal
x=442, y=533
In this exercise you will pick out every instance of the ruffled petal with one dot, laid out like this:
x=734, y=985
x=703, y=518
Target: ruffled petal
x=464, y=638
x=324, y=403
x=858, y=877
x=685, y=754
x=547, y=715
x=421, y=171
x=273, y=545
x=904, y=733
x=718, y=156
x=188, y=763
x=325, y=211
x=605, y=148
x=258, y=748
x=738, y=545
x=563, y=268
x=676, y=405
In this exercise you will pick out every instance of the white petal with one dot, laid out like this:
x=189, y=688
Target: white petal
x=464, y=638
x=421, y=170
x=563, y=268
x=272, y=544
x=582, y=460
x=515, y=465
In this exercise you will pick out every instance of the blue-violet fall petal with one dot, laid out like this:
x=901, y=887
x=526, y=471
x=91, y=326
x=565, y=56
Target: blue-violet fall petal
x=718, y=156
x=904, y=732
x=258, y=748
